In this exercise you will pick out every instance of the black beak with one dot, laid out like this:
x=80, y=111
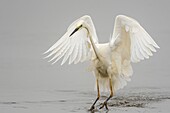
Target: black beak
x=75, y=30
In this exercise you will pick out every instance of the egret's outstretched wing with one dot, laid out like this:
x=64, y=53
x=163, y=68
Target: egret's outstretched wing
x=131, y=40
x=74, y=47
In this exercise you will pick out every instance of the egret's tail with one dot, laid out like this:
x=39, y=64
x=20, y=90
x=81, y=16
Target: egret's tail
x=118, y=82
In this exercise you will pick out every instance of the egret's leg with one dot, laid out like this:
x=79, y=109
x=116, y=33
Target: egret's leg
x=98, y=96
x=111, y=95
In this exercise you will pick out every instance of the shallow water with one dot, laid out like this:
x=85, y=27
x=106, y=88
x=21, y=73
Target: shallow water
x=42, y=101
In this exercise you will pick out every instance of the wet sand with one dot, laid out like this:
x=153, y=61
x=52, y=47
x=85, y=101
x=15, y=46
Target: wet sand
x=131, y=100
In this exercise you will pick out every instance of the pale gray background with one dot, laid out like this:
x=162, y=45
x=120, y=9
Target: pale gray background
x=29, y=84
x=30, y=27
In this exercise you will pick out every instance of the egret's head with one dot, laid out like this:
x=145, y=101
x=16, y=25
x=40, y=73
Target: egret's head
x=78, y=26
x=80, y=23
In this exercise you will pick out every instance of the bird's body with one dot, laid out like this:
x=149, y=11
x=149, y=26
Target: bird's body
x=108, y=65
x=111, y=62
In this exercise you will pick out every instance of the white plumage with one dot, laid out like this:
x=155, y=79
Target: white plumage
x=111, y=61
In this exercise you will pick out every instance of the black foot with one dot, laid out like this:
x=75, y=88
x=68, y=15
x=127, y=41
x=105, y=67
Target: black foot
x=92, y=108
x=104, y=104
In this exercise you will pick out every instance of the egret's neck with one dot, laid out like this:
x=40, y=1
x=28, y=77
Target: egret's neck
x=92, y=43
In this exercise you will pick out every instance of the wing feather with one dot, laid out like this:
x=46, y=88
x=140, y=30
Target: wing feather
x=142, y=49
x=74, y=54
x=61, y=52
x=140, y=56
x=78, y=58
x=57, y=44
x=67, y=55
x=74, y=47
x=142, y=45
x=58, y=47
x=84, y=49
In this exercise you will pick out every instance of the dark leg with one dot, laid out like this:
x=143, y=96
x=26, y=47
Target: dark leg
x=111, y=95
x=98, y=96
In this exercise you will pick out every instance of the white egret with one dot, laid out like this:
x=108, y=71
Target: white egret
x=111, y=62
